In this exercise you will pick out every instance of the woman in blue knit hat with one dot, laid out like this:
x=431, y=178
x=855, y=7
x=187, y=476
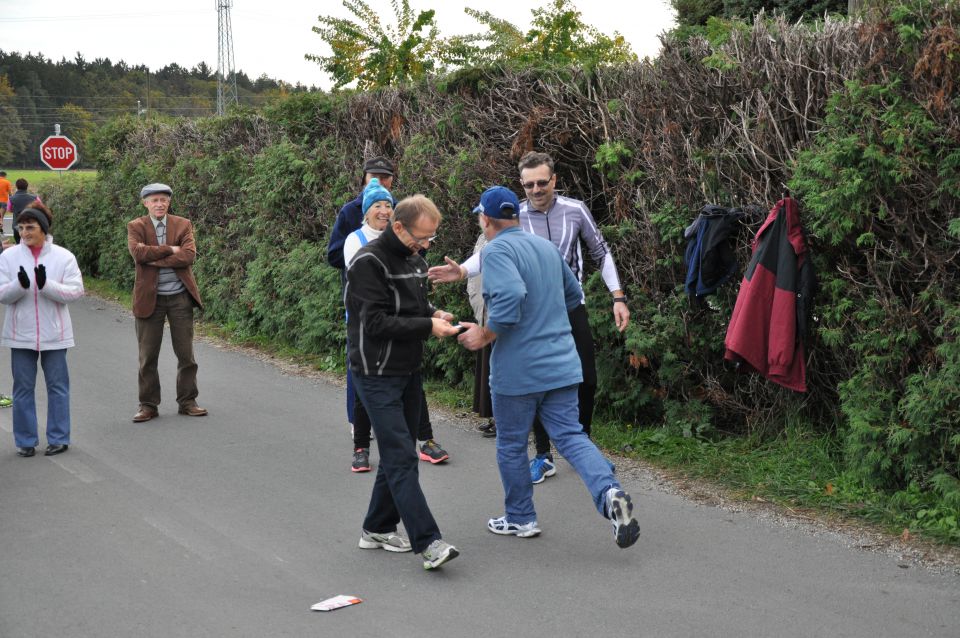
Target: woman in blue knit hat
x=377, y=209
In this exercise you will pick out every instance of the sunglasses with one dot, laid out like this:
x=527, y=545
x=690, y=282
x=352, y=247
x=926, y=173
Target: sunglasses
x=540, y=183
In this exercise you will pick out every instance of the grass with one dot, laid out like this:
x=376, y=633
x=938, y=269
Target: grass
x=39, y=178
x=801, y=468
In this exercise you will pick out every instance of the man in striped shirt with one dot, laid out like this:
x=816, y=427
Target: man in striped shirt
x=568, y=224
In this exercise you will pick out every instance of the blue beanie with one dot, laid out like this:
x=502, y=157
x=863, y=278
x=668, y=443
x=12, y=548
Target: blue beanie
x=374, y=193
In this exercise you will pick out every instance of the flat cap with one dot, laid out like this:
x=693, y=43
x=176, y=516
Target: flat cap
x=378, y=166
x=153, y=189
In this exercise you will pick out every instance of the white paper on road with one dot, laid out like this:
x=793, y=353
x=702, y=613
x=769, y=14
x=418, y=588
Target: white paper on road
x=336, y=603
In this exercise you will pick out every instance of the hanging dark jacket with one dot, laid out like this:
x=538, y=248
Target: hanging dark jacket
x=763, y=331
x=710, y=258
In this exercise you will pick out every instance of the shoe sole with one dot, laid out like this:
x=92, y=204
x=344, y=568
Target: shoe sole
x=446, y=558
x=365, y=544
x=550, y=472
x=430, y=459
x=359, y=469
x=524, y=534
x=626, y=527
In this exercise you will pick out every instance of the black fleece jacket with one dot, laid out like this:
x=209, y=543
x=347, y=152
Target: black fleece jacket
x=388, y=314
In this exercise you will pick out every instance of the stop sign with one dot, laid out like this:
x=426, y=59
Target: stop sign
x=58, y=152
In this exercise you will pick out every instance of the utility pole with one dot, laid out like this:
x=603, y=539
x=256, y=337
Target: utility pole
x=226, y=76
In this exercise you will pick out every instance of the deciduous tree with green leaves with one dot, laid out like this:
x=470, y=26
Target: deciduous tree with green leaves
x=373, y=54
x=558, y=36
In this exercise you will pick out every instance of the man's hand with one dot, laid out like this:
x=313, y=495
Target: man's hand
x=175, y=249
x=621, y=315
x=24, y=279
x=41, y=274
x=451, y=271
x=476, y=337
x=443, y=314
x=442, y=328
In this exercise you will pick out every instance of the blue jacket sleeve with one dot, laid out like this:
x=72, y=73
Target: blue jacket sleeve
x=348, y=220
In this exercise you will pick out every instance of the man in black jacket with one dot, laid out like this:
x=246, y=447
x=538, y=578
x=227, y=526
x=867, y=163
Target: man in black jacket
x=389, y=318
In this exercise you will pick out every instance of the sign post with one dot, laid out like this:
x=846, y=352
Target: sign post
x=58, y=152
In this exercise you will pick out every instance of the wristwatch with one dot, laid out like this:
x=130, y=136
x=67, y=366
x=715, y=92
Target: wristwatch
x=622, y=299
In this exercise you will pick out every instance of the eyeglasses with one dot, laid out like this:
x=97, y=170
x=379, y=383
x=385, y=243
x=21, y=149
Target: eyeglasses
x=540, y=183
x=420, y=240
x=29, y=228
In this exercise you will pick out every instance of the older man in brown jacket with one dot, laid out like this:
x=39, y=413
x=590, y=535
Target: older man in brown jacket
x=163, y=249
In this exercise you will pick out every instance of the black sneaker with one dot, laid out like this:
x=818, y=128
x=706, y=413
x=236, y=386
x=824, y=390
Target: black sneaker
x=361, y=460
x=432, y=452
x=489, y=429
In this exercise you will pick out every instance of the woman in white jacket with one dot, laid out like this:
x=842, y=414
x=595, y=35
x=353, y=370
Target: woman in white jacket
x=37, y=280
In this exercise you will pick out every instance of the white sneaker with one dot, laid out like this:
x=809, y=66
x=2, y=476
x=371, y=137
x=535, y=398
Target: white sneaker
x=501, y=526
x=437, y=553
x=391, y=541
x=626, y=529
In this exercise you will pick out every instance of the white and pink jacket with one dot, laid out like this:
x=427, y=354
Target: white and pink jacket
x=38, y=319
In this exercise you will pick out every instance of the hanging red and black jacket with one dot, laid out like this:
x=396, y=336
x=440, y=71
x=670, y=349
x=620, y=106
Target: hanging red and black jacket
x=765, y=329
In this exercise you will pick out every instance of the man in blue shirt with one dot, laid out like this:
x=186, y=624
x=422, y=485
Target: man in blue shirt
x=534, y=367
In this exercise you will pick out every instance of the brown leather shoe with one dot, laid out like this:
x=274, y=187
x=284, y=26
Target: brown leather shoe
x=144, y=414
x=192, y=410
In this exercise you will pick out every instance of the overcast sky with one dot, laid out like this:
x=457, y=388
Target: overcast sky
x=268, y=37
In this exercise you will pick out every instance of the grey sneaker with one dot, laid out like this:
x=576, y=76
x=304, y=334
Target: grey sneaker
x=437, y=553
x=390, y=541
x=501, y=526
x=626, y=529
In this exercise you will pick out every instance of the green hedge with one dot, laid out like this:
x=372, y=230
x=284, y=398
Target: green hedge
x=860, y=122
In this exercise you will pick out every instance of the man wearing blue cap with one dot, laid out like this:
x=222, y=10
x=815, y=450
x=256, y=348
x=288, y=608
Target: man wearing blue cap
x=163, y=250
x=570, y=226
x=534, y=367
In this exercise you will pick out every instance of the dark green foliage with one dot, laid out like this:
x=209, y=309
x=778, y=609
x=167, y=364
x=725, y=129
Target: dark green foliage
x=881, y=205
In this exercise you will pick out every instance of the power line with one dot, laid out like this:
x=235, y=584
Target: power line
x=99, y=16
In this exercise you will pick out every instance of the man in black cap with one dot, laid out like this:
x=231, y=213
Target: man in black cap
x=349, y=219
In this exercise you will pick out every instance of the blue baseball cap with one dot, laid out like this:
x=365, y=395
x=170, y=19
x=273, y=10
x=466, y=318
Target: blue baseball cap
x=498, y=202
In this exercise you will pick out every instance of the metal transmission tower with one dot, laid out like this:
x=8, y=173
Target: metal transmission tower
x=226, y=75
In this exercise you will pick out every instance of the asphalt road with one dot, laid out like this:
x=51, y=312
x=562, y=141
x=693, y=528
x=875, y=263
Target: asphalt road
x=236, y=523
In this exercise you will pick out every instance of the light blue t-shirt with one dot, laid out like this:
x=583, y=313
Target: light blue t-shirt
x=528, y=290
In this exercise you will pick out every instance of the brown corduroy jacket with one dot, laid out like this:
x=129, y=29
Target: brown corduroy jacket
x=150, y=257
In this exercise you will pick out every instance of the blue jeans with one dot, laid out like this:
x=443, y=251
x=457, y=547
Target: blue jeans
x=24, y=365
x=558, y=411
x=394, y=404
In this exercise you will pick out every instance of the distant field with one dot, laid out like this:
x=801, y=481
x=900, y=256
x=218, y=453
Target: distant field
x=38, y=178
